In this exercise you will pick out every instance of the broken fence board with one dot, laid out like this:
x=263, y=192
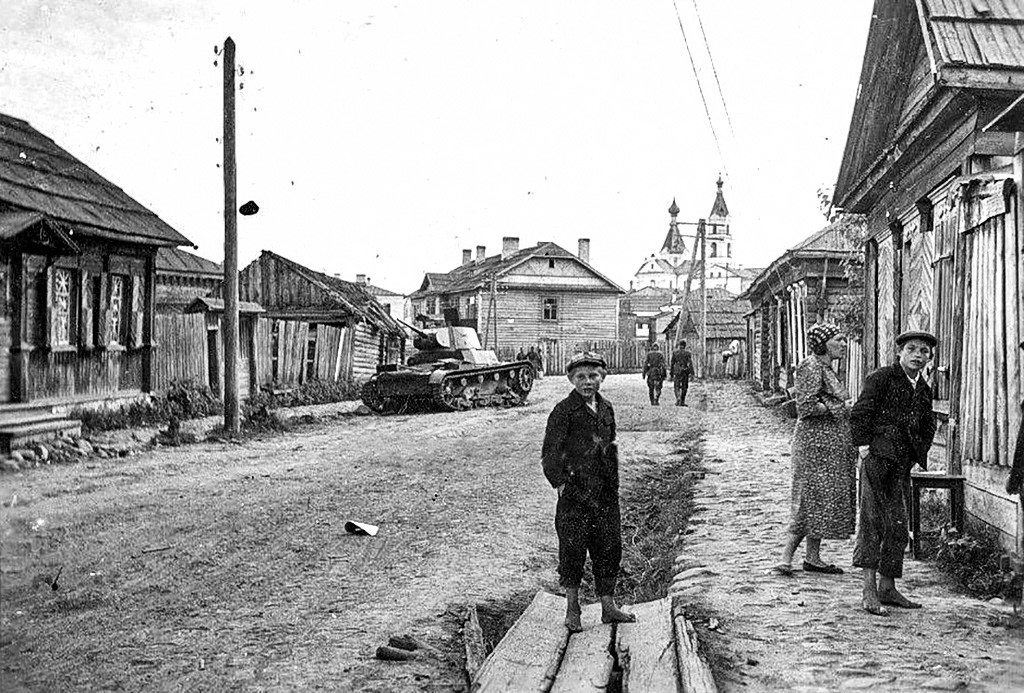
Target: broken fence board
x=587, y=664
x=694, y=672
x=528, y=657
x=646, y=649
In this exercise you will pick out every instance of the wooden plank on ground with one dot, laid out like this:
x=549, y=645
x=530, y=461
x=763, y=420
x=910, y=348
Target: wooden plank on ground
x=647, y=653
x=587, y=664
x=528, y=656
x=694, y=673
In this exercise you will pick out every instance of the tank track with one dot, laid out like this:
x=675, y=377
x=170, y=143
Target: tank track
x=455, y=390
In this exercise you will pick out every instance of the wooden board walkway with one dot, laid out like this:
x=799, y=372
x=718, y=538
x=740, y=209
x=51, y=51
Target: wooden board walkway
x=657, y=653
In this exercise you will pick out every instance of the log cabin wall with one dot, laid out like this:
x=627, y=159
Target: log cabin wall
x=527, y=317
x=5, y=328
x=83, y=327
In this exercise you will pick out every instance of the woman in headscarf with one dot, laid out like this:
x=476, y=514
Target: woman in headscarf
x=823, y=457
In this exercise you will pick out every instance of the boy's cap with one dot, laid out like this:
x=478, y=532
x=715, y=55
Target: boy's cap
x=586, y=358
x=926, y=337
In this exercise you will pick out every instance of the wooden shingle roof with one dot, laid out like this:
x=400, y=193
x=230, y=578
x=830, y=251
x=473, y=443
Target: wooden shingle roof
x=177, y=261
x=39, y=176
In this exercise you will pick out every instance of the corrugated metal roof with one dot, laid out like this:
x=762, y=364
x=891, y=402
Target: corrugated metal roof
x=179, y=261
x=37, y=175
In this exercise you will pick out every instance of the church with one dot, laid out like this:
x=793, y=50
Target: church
x=670, y=267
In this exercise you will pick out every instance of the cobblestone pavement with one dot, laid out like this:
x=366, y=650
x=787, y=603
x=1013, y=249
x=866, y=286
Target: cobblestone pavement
x=807, y=632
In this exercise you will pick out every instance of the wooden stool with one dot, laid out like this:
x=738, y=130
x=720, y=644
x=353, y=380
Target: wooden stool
x=920, y=480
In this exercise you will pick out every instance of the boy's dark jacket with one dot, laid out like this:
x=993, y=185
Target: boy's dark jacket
x=894, y=417
x=579, y=447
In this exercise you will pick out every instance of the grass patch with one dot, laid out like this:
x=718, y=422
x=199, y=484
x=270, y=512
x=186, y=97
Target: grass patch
x=183, y=400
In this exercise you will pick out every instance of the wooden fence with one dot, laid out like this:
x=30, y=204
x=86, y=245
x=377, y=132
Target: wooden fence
x=181, y=352
x=622, y=356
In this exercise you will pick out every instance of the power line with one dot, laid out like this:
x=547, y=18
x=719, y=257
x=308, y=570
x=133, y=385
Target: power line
x=696, y=76
x=718, y=84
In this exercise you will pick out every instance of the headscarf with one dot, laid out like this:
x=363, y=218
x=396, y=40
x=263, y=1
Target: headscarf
x=820, y=333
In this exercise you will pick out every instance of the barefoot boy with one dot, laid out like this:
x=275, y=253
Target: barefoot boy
x=893, y=425
x=581, y=462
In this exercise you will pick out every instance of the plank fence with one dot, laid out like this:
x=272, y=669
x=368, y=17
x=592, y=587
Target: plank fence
x=622, y=356
x=181, y=352
x=657, y=653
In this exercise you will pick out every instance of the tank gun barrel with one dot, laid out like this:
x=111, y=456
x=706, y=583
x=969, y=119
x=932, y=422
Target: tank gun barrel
x=414, y=329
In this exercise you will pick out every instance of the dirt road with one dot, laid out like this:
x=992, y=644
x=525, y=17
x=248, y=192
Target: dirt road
x=219, y=566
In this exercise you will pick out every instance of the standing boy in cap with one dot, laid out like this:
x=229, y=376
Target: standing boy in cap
x=892, y=425
x=581, y=462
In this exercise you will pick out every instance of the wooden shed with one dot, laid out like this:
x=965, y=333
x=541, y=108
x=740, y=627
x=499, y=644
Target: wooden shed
x=934, y=160
x=182, y=276
x=809, y=283
x=77, y=273
x=726, y=330
x=315, y=327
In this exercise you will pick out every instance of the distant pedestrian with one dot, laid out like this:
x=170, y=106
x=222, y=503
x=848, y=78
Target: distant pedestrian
x=581, y=462
x=823, y=458
x=655, y=372
x=520, y=355
x=734, y=364
x=682, y=367
x=893, y=426
x=534, y=357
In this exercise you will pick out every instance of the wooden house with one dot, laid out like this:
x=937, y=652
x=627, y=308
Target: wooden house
x=933, y=159
x=181, y=277
x=314, y=326
x=726, y=331
x=808, y=283
x=641, y=310
x=390, y=301
x=77, y=277
x=541, y=296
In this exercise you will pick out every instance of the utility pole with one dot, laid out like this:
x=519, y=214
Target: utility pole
x=698, y=239
x=704, y=303
x=232, y=421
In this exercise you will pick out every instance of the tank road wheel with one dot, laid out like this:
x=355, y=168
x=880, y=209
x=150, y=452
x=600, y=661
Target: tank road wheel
x=448, y=398
x=525, y=380
x=373, y=397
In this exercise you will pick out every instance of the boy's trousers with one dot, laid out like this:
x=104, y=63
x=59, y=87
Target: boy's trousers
x=882, y=530
x=585, y=524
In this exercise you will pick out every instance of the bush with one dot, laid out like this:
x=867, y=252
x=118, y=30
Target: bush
x=314, y=392
x=973, y=561
x=183, y=400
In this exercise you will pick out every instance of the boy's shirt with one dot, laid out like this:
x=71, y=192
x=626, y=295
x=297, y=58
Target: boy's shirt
x=578, y=448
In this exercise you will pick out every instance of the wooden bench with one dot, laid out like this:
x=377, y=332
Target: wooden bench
x=922, y=480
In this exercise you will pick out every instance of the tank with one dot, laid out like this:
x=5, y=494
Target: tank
x=449, y=372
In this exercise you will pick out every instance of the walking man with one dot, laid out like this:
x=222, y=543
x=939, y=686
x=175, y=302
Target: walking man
x=581, y=462
x=682, y=366
x=892, y=425
x=655, y=372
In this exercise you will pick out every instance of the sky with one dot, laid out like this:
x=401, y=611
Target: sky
x=382, y=138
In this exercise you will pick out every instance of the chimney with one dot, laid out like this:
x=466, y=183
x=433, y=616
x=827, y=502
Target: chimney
x=509, y=246
x=360, y=279
x=481, y=253
x=467, y=256
x=584, y=250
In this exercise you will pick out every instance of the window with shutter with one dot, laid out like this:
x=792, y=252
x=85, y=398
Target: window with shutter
x=60, y=303
x=85, y=309
x=135, y=313
x=117, y=285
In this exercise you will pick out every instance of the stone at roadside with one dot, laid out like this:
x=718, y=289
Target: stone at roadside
x=363, y=410
x=10, y=466
x=16, y=456
x=944, y=683
x=691, y=573
x=996, y=601
x=85, y=446
x=43, y=452
x=26, y=455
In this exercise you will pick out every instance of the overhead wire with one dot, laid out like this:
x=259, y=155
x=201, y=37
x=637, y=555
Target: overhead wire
x=700, y=89
x=707, y=46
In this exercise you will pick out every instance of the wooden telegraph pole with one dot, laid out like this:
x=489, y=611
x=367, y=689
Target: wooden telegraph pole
x=698, y=240
x=232, y=421
x=701, y=232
